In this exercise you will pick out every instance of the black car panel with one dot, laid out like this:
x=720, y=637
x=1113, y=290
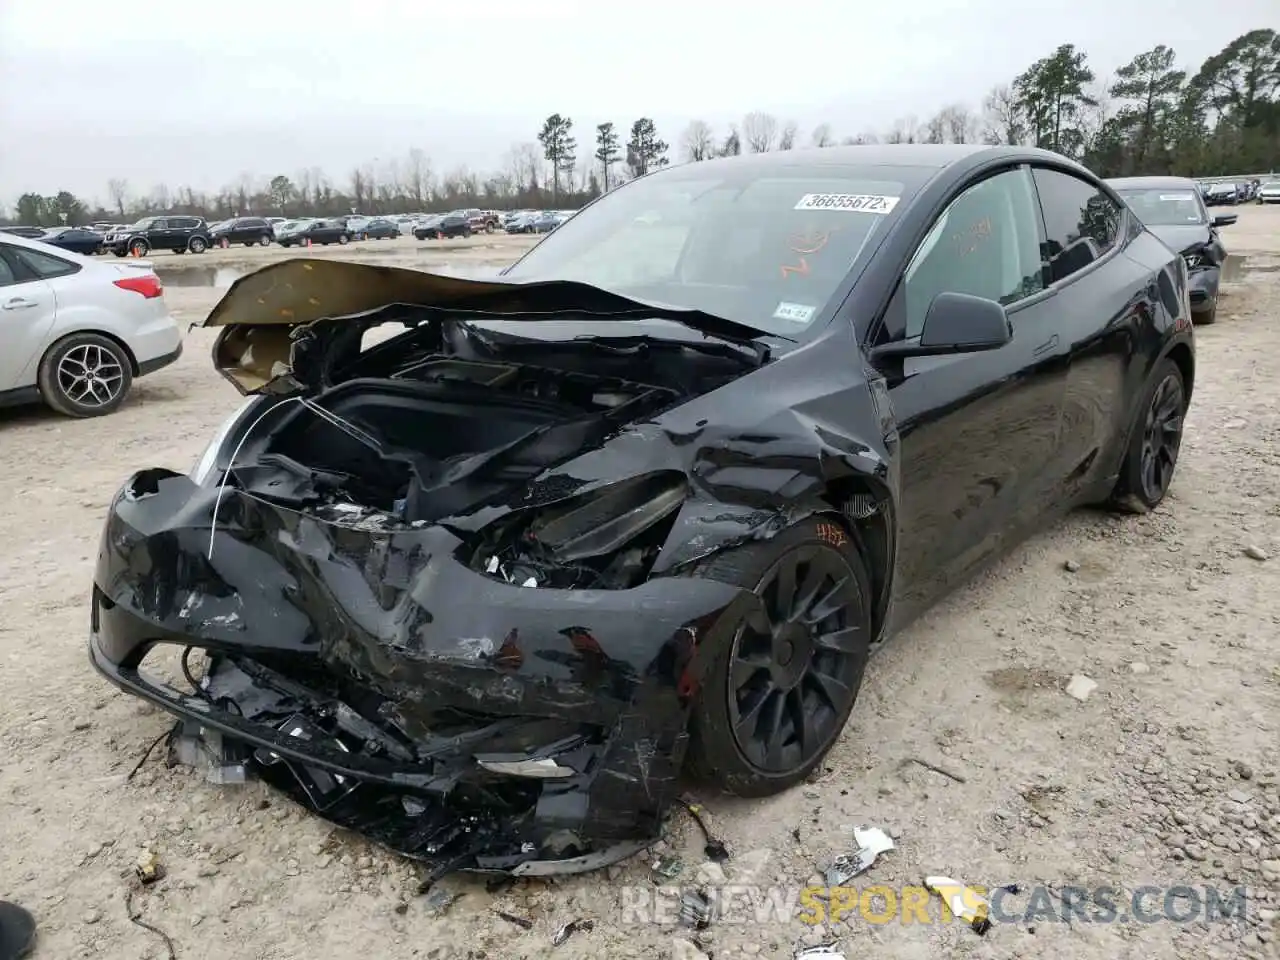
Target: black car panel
x=246, y=230
x=75, y=239
x=175, y=232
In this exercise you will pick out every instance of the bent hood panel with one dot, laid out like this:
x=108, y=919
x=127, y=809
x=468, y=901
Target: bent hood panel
x=1180, y=238
x=261, y=310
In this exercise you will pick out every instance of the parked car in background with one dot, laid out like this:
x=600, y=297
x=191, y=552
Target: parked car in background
x=481, y=221
x=246, y=230
x=31, y=233
x=691, y=549
x=543, y=222
x=452, y=225
x=76, y=333
x=427, y=228
x=76, y=239
x=289, y=226
x=1220, y=194
x=175, y=233
x=1269, y=192
x=1172, y=209
x=320, y=232
x=356, y=226
x=275, y=221
x=380, y=228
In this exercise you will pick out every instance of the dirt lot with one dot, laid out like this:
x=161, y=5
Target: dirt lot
x=1166, y=775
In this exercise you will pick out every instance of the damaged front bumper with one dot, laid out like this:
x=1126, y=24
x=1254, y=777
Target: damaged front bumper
x=383, y=683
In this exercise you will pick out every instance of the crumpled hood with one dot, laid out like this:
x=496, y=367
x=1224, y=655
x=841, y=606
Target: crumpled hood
x=1179, y=237
x=261, y=310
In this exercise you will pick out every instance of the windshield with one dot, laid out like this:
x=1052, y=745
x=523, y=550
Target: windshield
x=765, y=247
x=1165, y=208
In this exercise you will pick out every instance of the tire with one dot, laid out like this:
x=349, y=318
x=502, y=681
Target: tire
x=1157, y=418
x=342, y=238
x=197, y=245
x=264, y=240
x=717, y=754
x=179, y=252
x=65, y=389
x=488, y=228
x=1205, y=318
x=121, y=253
x=139, y=248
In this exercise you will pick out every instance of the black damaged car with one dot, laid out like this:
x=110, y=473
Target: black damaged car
x=1173, y=209
x=639, y=508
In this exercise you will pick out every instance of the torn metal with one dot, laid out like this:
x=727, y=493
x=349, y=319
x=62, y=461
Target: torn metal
x=447, y=584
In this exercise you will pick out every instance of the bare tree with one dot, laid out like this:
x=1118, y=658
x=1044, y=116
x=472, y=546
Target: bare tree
x=359, y=187
x=697, y=141
x=759, y=130
x=1003, y=120
x=958, y=123
x=904, y=130
x=935, y=129
x=118, y=188
x=787, y=139
x=822, y=136
x=417, y=176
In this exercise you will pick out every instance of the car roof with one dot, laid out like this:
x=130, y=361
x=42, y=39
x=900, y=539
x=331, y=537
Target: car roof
x=1155, y=183
x=927, y=155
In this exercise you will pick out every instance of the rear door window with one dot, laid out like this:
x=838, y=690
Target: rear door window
x=1082, y=224
x=44, y=265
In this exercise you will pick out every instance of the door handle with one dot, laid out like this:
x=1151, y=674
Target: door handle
x=17, y=303
x=1046, y=346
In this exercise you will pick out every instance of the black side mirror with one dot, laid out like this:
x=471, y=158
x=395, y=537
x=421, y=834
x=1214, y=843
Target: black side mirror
x=1225, y=219
x=955, y=323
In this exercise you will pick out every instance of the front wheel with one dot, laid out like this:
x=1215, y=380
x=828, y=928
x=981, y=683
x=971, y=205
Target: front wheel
x=488, y=228
x=779, y=688
x=85, y=375
x=1155, y=437
x=342, y=238
x=139, y=248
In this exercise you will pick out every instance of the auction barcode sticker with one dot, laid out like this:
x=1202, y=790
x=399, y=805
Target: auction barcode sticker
x=848, y=202
x=795, y=312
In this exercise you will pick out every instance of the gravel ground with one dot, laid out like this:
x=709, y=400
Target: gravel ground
x=1166, y=774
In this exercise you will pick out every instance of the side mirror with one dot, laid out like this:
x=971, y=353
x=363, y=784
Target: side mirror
x=1225, y=219
x=955, y=323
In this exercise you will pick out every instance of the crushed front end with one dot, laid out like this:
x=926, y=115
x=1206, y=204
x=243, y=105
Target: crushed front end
x=381, y=681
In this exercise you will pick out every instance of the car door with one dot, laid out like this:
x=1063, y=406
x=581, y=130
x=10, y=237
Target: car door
x=27, y=311
x=1105, y=270
x=160, y=234
x=976, y=429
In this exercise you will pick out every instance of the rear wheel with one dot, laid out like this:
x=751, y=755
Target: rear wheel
x=1205, y=317
x=1155, y=439
x=778, y=690
x=197, y=245
x=342, y=238
x=85, y=375
x=264, y=240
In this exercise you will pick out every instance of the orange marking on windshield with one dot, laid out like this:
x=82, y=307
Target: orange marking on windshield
x=809, y=242
x=800, y=269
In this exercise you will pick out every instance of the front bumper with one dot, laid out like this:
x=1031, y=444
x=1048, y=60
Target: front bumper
x=1203, y=283
x=438, y=664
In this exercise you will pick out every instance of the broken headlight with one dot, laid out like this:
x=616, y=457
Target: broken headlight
x=607, y=519
x=209, y=459
x=603, y=539
x=1193, y=260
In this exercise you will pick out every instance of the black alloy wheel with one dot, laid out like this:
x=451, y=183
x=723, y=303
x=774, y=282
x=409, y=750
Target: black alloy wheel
x=778, y=692
x=1155, y=439
x=1162, y=437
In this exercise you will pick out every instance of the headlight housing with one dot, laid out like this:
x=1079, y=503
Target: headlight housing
x=604, y=538
x=1193, y=259
x=203, y=469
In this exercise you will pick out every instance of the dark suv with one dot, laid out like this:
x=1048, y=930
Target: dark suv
x=246, y=230
x=176, y=233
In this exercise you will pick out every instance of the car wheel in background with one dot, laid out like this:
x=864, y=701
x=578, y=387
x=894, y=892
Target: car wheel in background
x=197, y=245
x=139, y=248
x=264, y=241
x=778, y=691
x=488, y=228
x=121, y=253
x=342, y=238
x=1205, y=317
x=85, y=375
x=1155, y=437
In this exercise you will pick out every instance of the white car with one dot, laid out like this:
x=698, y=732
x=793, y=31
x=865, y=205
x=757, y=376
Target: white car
x=75, y=332
x=1269, y=192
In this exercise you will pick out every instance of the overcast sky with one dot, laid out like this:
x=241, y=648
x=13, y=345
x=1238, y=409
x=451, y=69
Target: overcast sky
x=200, y=92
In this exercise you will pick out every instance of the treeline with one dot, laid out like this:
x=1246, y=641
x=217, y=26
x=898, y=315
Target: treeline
x=1153, y=117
